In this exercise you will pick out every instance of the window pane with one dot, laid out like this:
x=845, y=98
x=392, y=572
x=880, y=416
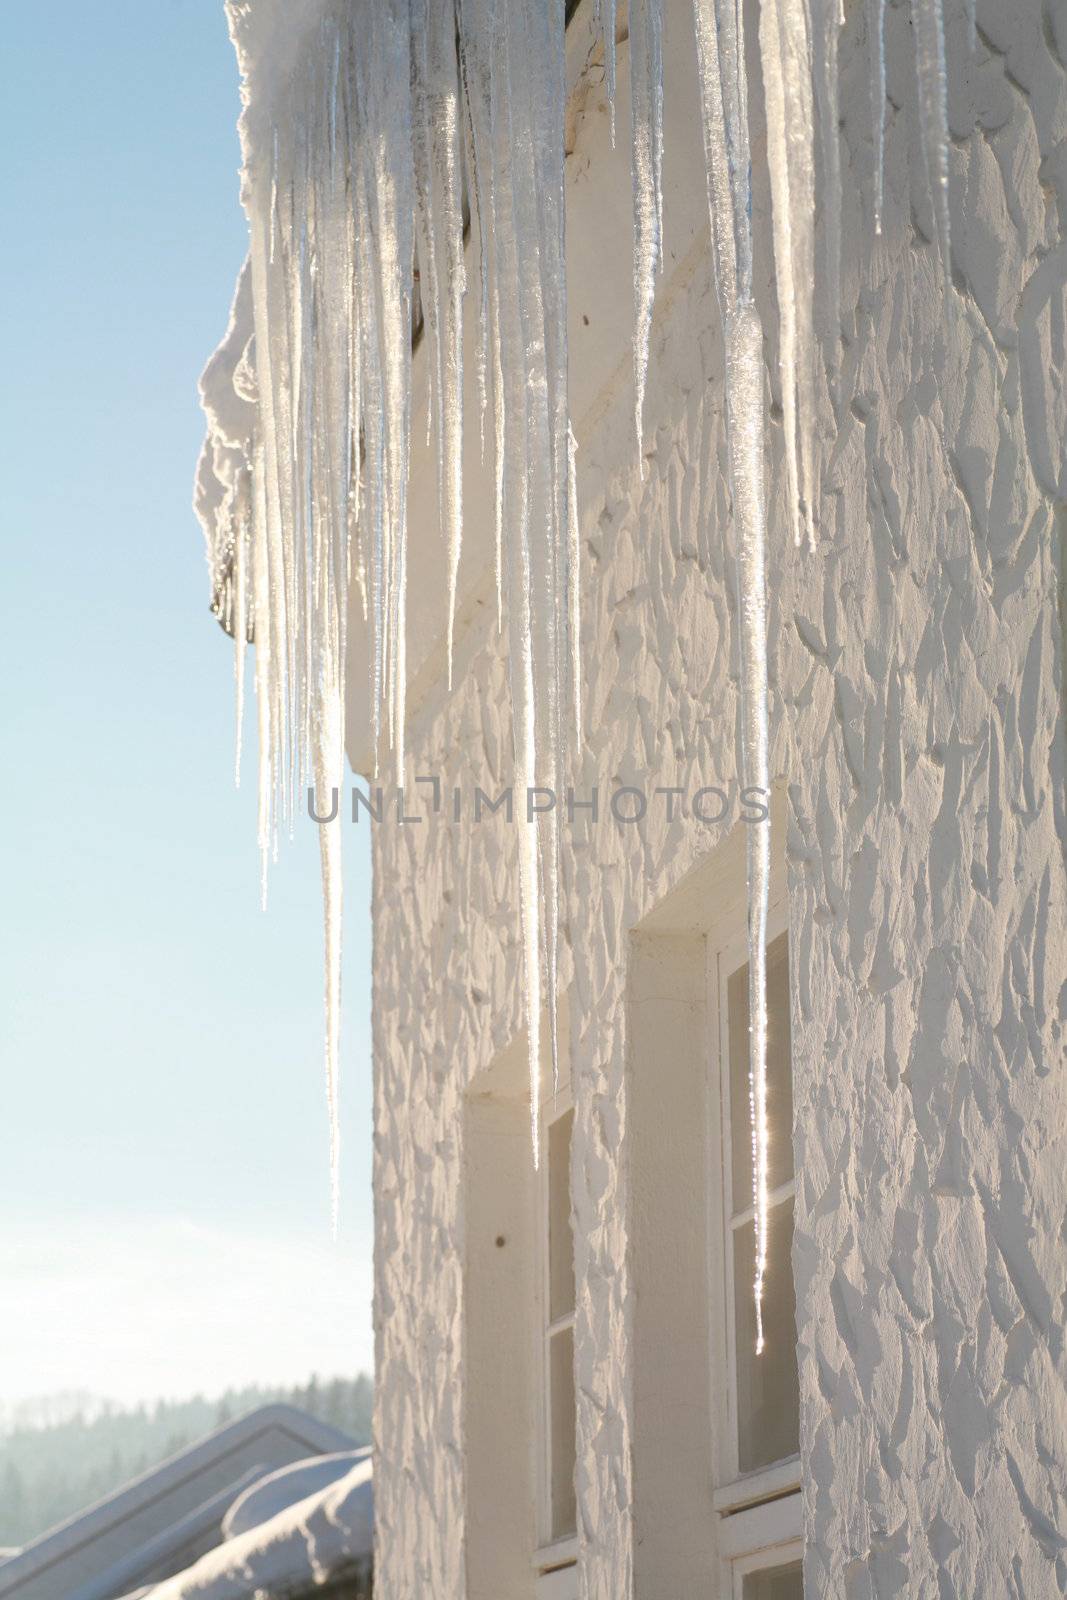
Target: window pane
x=768, y=1391
x=779, y=1075
x=561, y=1422
x=774, y=1583
x=560, y=1241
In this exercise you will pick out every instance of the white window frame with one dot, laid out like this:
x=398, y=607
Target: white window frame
x=764, y=1559
x=554, y=1559
x=760, y=1519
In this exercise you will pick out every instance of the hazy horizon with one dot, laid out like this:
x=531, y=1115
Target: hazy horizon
x=55, y=1410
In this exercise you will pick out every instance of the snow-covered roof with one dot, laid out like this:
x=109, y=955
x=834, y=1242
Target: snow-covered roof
x=326, y=1536
x=279, y=1490
x=168, y=1516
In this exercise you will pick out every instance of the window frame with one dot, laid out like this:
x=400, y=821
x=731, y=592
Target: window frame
x=780, y=1553
x=764, y=1504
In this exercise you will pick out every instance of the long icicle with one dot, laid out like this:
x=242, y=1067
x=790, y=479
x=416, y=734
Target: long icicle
x=720, y=59
x=744, y=363
x=436, y=146
x=826, y=28
x=876, y=48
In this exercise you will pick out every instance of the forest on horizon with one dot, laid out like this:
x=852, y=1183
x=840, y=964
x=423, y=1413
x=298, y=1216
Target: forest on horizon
x=63, y=1453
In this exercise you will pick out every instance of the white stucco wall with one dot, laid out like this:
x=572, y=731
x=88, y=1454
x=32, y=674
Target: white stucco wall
x=917, y=672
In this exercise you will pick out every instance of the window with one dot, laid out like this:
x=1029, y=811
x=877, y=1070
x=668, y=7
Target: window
x=715, y=1429
x=558, y=1515
x=755, y=1580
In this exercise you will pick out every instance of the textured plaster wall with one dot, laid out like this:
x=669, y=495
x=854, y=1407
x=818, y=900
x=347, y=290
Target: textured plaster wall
x=917, y=673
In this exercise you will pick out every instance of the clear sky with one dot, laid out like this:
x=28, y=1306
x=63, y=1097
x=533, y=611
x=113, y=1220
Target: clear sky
x=164, y=1205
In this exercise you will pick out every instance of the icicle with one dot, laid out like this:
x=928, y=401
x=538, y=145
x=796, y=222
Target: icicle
x=353, y=154
x=720, y=59
x=513, y=73
x=329, y=766
x=438, y=183
x=574, y=585
x=785, y=54
x=476, y=77
x=646, y=119
x=529, y=899
x=826, y=26
x=876, y=46
x=604, y=19
x=240, y=629
x=263, y=666
x=929, y=29
x=744, y=360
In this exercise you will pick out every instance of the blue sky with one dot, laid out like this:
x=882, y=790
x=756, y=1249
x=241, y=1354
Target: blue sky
x=164, y=1206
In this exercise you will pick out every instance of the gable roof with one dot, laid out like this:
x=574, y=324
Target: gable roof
x=167, y=1517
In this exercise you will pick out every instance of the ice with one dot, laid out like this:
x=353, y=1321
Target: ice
x=242, y=542
x=605, y=20
x=329, y=755
x=929, y=30
x=720, y=58
x=826, y=28
x=646, y=117
x=744, y=366
x=876, y=45
x=442, y=276
x=786, y=57
x=513, y=73
x=367, y=126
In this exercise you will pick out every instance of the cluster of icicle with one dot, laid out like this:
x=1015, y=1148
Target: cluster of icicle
x=372, y=132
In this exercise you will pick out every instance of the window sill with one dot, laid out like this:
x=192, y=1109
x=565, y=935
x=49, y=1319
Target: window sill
x=769, y=1483
x=762, y=1527
x=562, y=1553
x=557, y=1570
x=561, y=1584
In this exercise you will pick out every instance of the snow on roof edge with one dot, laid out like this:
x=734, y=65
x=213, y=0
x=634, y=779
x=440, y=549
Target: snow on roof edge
x=308, y=1544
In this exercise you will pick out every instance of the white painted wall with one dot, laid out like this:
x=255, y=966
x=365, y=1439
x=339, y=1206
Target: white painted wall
x=917, y=671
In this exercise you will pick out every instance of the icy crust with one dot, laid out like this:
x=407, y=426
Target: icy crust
x=328, y=1535
x=221, y=497
x=270, y=38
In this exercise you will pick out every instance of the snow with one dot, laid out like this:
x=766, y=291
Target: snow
x=268, y=1496
x=364, y=126
x=326, y=1535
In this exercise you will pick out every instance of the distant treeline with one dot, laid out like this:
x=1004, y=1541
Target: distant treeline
x=52, y=1470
